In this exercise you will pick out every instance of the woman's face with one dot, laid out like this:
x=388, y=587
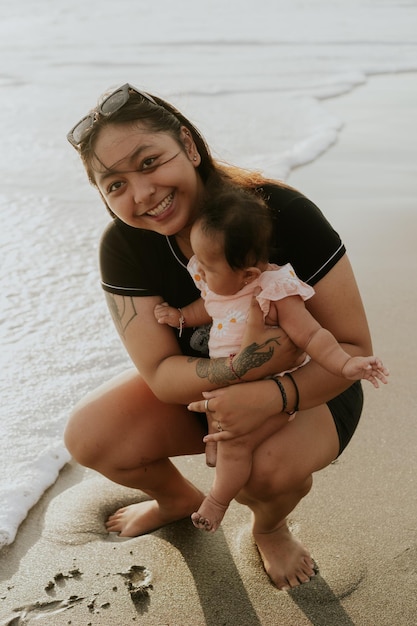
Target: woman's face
x=147, y=178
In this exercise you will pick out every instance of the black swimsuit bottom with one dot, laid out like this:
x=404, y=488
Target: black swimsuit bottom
x=346, y=411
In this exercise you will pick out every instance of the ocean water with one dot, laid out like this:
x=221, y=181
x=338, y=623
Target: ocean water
x=254, y=77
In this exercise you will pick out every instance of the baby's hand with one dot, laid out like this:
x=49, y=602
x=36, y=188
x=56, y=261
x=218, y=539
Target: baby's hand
x=369, y=368
x=166, y=314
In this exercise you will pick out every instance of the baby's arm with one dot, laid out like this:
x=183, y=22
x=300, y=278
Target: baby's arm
x=322, y=346
x=193, y=314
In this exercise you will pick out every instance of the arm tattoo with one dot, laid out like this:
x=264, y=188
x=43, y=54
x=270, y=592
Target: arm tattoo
x=122, y=311
x=252, y=357
x=217, y=371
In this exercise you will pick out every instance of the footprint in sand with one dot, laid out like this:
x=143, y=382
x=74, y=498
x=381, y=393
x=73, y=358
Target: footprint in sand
x=138, y=582
x=36, y=611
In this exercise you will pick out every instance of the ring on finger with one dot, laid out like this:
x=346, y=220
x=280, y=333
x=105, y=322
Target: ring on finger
x=206, y=406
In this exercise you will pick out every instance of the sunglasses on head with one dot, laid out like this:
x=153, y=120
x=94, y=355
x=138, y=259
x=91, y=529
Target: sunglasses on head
x=111, y=103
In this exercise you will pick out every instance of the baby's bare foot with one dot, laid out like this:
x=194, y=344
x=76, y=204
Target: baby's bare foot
x=286, y=561
x=144, y=517
x=201, y=522
x=209, y=515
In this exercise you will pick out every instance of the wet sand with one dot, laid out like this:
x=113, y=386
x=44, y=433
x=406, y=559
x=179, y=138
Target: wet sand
x=359, y=519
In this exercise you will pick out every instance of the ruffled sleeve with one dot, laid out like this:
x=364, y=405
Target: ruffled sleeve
x=280, y=282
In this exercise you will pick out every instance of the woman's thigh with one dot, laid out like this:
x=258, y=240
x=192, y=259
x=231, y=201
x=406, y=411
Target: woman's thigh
x=303, y=446
x=123, y=422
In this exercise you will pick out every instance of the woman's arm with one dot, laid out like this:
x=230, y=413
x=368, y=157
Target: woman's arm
x=176, y=378
x=337, y=306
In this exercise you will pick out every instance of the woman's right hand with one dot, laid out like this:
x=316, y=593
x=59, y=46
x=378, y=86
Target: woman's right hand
x=265, y=350
x=238, y=410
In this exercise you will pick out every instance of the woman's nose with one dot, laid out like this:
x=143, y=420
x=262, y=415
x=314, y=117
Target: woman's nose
x=143, y=189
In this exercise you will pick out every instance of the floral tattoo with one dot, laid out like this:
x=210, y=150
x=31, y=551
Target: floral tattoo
x=218, y=371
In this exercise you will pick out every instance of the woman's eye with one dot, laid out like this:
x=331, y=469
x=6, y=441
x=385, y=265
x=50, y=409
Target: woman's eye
x=114, y=186
x=148, y=163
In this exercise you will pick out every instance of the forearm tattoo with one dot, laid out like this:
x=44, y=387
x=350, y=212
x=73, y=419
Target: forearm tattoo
x=218, y=371
x=122, y=310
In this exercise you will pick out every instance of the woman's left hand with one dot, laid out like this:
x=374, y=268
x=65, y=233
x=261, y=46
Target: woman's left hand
x=239, y=409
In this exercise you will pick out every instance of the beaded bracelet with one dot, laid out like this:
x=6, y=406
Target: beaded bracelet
x=181, y=322
x=277, y=381
x=297, y=394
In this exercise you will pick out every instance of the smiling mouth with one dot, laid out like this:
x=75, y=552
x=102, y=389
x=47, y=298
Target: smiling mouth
x=162, y=206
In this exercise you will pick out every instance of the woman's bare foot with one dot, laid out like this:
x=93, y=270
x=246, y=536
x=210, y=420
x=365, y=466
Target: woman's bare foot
x=286, y=561
x=209, y=515
x=144, y=517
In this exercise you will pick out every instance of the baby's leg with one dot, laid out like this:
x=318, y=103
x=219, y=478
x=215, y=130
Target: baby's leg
x=233, y=467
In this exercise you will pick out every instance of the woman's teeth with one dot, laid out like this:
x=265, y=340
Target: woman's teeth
x=162, y=206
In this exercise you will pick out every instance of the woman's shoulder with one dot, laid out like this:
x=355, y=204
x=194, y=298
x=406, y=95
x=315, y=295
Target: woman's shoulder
x=117, y=231
x=302, y=235
x=282, y=198
x=130, y=259
x=292, y=210
x=279, y=190
x=120, y=240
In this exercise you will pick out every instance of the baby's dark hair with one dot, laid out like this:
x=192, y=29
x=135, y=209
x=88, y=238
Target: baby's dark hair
x=242, y=218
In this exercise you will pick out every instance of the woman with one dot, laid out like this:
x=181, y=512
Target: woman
x=150, y=164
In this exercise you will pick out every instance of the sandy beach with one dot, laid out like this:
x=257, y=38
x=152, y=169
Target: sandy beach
x=360, y=518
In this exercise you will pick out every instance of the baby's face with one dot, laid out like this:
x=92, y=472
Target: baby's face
x=212, y=264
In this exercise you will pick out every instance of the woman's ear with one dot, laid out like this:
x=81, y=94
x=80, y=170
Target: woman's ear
x=251, y=274
x=190, y=147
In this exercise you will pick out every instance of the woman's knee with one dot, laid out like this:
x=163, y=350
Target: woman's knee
x=267, y=483
x=98, y=419
x=78, y=442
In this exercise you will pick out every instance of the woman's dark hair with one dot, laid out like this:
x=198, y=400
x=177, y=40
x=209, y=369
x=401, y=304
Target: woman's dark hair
x=164, y=117
x=241, y=217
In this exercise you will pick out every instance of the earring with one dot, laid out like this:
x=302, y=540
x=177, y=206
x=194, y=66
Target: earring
x=195, y=157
